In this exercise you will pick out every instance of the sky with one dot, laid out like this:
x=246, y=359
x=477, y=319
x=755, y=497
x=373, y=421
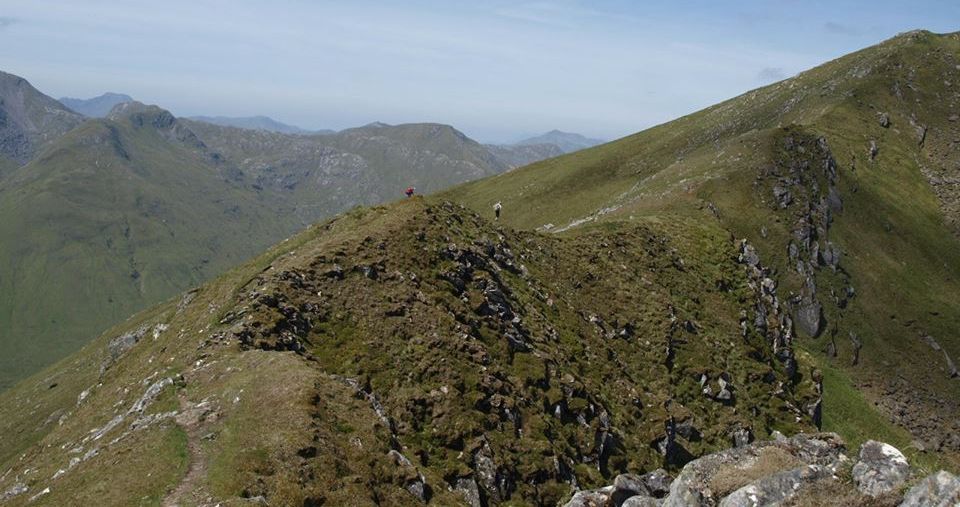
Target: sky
x=497, y=70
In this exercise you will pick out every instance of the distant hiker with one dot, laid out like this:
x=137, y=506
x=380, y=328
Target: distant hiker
x=409, y=191
x=496, y=210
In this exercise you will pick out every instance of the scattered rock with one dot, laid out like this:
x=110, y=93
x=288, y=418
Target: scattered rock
x=857, y=345
x=658, y=482
x=15, y=490
x=809, y=315
x=642, y=501
x=414, y=481
x=626, y=486
x=121, y=344
x=830, y=255
x=882, y=468
x=884, y=120
x=874, y=150
x=748, y=254
x=741, y=437
x=941, y=489
x=467, y=487
x=592, y=498
x=782, y=196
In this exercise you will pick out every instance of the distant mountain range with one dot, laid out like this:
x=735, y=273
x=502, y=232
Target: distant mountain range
x=103, y=216
x=264, y=123
x=114, y=210
x=97, y=107
x=566, y=141
x=523, y=152
x=549, y=145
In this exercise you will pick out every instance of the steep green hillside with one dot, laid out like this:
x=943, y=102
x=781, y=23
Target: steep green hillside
x=126, y=211
x=116, y=216
x=854, y=164
x=416, y=350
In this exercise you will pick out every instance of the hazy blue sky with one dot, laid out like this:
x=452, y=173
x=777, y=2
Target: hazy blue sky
x=497, y=70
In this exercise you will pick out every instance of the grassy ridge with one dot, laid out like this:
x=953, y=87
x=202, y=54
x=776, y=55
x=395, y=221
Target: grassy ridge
x=899, y=248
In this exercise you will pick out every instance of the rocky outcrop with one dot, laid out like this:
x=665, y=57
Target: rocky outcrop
x=777, y=488
x=950, y=365
x=29, y=120
x=119, y=345
x=941, y=489
x=707, y=480
x=796, y=471
x=881, y=469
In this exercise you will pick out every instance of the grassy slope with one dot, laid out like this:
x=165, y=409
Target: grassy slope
x=440, y=366
x=902, y=258
x=119, y=214
x=137, y=226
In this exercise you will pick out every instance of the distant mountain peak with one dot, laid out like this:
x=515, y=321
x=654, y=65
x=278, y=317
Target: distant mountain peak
x=126, y=109
x=96, y=107
x=566, y=141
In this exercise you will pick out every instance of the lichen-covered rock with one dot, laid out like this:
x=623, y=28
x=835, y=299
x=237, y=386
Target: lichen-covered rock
x=776, y=488
x=592, y=498
x=695, y=484
x=125, y=342
x=809, y=316
x=741, y=437
x=642, y=501
x=626, y=486
x=884, y=120
x=467, y=487
x=830, y=255
x=882, y=468
x=941, y=489
x=658, y=482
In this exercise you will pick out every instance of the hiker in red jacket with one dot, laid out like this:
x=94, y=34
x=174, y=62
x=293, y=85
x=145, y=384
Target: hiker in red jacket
x=409, y=191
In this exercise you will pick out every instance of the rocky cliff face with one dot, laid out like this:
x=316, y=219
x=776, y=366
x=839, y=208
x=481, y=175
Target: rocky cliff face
x=29, y=120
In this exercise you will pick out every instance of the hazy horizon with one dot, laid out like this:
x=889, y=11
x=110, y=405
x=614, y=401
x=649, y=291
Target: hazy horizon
x=499, y=71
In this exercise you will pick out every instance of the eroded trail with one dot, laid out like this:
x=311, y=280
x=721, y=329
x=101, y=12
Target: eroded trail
x=191, y=419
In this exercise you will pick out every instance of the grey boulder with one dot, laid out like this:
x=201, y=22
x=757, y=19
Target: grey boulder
x=777, y=488
x=592, y=498
x=882, y=468
x=941, y=489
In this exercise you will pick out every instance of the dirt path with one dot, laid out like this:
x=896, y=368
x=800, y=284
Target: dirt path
x=190, y=491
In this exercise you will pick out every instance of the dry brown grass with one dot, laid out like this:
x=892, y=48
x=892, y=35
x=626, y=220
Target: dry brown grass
x=768, y=461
